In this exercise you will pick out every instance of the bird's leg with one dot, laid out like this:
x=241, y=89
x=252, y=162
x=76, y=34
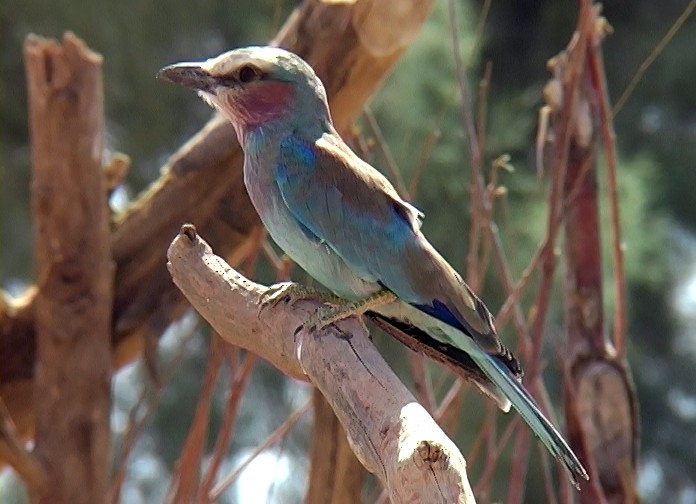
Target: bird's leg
x=327, y=315
x=293, y=292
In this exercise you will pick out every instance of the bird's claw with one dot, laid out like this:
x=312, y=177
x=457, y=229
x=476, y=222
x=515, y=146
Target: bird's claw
x=309, y=328
x=276, y=293
x=290, y=293
x=323, y=318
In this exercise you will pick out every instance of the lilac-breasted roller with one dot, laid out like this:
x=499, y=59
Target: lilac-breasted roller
x=345, y=224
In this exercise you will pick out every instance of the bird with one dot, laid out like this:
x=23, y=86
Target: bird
x=346, y=225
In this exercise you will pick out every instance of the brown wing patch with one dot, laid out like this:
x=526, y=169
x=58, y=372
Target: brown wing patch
x=370, y=192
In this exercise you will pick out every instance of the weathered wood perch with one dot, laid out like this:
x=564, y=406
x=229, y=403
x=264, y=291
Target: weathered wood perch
x=391, y=434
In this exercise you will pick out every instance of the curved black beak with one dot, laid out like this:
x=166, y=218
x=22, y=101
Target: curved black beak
x=189, y=75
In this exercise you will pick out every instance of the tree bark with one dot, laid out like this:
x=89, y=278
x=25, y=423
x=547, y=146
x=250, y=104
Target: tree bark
x=600, y=403
x=390, y=433
x=74, y=271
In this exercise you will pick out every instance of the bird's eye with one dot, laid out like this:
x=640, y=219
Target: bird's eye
x=247, y=74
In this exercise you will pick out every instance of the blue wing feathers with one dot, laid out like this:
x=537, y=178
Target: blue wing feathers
x=370, y=228
x=348, y=206
x=312, y=191
x=336, y=200
x=299, y=149
x=440, y=311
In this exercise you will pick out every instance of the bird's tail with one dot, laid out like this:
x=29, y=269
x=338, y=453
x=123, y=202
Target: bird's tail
x=525, y=405
x=498, y=375
x=454, y=358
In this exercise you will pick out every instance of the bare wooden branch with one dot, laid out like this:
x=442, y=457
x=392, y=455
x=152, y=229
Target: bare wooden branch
x=391, y=434
x=236, y=389
x=335, y=475
x=74, y=270
x=22, y=460
x=600, y=402
x=353, y=46
x=186, y=475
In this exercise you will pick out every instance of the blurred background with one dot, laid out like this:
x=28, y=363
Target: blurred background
x=148, y=120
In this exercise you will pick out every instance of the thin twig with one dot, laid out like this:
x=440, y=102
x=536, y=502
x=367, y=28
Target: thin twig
x=384, y=149
x=503, y=314
x=576, y=63
x=505, y=275
x=482, y=103
x=185, y=478
x=423, y=158
x=148, y=400
x=448, y=412
x=549, y=492
x=481, y=206
x=272, y=439
x=495, y=449
x=465, y=109
x=657, y=50
x=519, y=466
x=250, y=262
x=465, y=92
x=20, y=459
x=422, y=386
x=481, y=25
x=270, y=254
x=429, y=144
x=236, y=389
x=596, y=67
x=132, y=433
x=484, y=435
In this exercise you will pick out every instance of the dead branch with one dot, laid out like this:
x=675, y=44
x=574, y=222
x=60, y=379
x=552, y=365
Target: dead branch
x=22, y=460
x=74, y=270
x=391, y=434
x=235, y=390
x=599, y=402
x=335, y=474
x=186, y=475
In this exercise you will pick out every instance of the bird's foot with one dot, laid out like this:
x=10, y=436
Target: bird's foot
x=291, y=292
x=342, y=309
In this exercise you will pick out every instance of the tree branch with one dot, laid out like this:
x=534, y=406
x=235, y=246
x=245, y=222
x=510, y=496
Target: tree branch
x=335, y=474
x=74, y=270
x=391, y=434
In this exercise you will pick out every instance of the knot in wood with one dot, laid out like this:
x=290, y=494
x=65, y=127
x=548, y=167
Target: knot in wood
x=432, y=455
x=189, y=231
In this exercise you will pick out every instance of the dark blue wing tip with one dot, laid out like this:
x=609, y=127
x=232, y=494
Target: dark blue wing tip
x=439, y=310
x=573, y=467
x=563, y=453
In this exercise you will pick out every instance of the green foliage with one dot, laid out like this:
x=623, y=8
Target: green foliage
x=421, y=96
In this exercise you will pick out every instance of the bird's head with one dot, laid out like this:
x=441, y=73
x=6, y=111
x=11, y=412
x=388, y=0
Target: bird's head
x=255, y=87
